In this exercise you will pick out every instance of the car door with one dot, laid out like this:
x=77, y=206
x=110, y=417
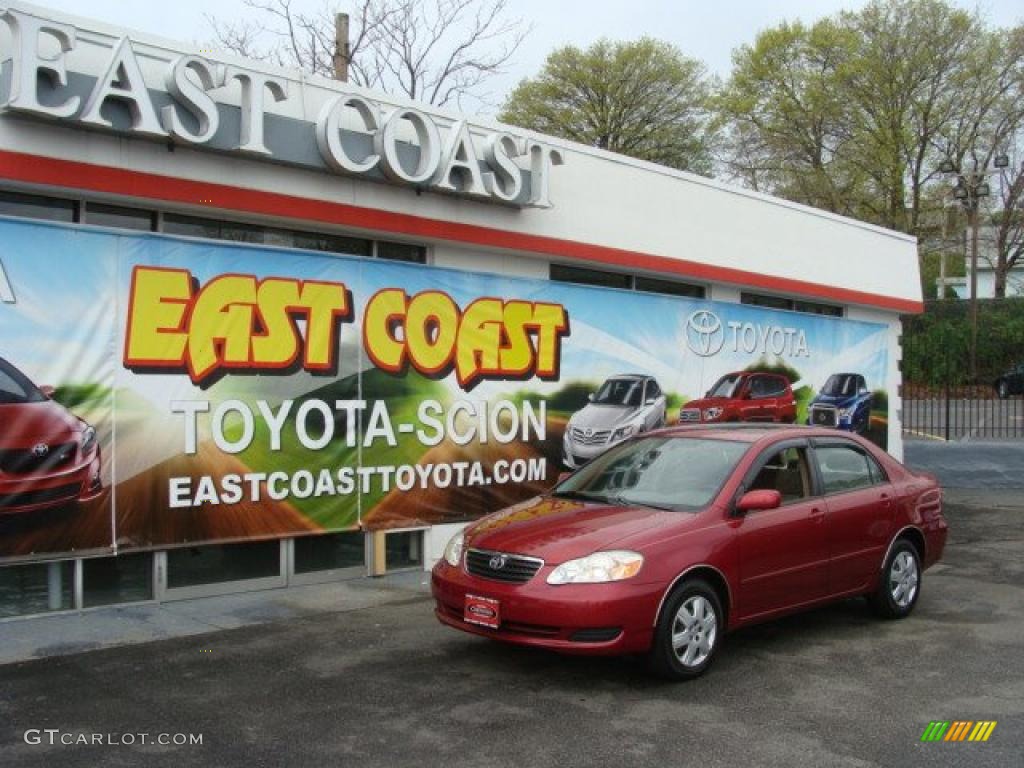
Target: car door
x=783, y=556
x=861, y=507
x=749, y=399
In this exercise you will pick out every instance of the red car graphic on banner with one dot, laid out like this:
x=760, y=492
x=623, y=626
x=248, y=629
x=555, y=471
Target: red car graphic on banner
x=48, y=456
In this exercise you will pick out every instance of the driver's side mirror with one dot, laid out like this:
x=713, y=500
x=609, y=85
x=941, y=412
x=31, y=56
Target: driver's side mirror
x=761, y=499
x=47, y=391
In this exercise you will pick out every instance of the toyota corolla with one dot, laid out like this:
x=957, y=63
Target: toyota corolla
x=48, y=456
x=667, y=541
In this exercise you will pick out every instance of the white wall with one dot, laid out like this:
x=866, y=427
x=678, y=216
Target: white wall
x=599, y=198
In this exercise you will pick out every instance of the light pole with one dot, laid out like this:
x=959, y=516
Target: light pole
x=969, y=188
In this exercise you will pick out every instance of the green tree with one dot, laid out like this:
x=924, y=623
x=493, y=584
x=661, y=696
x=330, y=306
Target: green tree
x=787, y=119
x=642, y=98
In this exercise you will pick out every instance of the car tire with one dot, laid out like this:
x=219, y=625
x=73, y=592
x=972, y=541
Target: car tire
x=900, y=582
x=688, y=633
x=1002, y=390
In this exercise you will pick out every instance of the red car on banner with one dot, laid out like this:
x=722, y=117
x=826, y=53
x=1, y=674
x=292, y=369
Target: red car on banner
x=48, y=456
x=666, y=541
x=744, y=396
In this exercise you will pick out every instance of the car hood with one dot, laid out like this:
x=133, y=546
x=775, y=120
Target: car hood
x=709, y=402
x=557, y=530
x=600, y=417
x=839, y=401
x=28, y=423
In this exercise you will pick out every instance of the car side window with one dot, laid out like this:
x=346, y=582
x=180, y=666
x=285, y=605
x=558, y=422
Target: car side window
x=757, y=388
x=846, y=468
x=778, y=386
x=786, y=471
x=653, y=390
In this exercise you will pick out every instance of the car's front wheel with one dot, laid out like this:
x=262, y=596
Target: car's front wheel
x=688, y=633
x=900, y=584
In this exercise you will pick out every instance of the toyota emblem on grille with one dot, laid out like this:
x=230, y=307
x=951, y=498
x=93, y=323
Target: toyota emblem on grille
x=40, y=449
x=497, y=562
x=588, y=433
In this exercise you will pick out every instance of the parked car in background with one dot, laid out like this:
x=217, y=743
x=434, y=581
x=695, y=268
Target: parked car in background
x=1011, y=382
x=623, y=406
x=48, y=456
x=667, y=541
x=744, y=396
x=843, y=403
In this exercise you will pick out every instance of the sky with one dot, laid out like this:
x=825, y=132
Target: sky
x=704, y=29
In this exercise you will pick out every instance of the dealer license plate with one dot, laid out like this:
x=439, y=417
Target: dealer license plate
x=483, y=611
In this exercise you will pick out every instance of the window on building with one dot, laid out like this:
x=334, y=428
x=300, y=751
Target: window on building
x=415, y=254
x=36, y=588
x=607, y=279
x=120, y=579
x=327, y=552
x=38, y=207
x=669, y=287
x=193, y=566
x=793, y=305
x=116, y=216
x=403, y=549
x=582, y=276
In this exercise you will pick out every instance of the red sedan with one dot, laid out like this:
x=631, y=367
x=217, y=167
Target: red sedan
x=48, y=456
x=665, y=542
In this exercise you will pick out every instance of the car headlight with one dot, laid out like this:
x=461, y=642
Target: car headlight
x=712, y=413
x=623, y=432
x=598, y=568
x=453, y=552
x=88, y=437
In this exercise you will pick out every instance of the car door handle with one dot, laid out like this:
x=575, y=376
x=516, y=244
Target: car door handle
x=817, y=513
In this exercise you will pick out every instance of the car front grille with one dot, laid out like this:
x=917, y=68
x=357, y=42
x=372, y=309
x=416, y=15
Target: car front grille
x=599, y=437
x=824, y=416
x=44, y=496
x=688, y=415
x=25, y=461
x=501, y=566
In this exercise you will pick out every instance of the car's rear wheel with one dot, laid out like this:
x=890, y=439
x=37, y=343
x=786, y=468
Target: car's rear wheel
x=900, y=584
x=688, y=633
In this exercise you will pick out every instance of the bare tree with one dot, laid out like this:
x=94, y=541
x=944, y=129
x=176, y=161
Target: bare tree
x=437, y=51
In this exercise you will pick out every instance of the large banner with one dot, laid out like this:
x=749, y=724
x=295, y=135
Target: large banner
x=157, y=392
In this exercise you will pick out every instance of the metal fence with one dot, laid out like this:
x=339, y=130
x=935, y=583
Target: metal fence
x=941, y=399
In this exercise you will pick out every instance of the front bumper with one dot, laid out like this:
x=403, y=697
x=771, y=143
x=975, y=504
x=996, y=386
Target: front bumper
x=591, y=619
x=575, y=454
x=31, y=493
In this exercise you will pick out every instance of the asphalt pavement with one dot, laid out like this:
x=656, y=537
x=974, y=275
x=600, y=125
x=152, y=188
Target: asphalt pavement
x=387, y=686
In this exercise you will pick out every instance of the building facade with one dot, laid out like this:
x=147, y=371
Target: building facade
x=284, y=330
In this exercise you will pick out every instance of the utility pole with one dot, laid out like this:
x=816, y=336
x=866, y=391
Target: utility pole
x=342, y=51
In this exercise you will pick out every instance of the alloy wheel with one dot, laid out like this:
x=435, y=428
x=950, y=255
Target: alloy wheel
x=903, y=579
x=694, y=631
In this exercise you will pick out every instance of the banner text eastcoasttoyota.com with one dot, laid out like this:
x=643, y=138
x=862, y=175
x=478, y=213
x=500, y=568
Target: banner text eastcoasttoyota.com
x=157, y=391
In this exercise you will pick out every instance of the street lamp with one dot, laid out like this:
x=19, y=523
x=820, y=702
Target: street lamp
x=969, y=189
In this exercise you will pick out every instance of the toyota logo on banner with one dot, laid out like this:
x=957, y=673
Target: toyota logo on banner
x=704, y=333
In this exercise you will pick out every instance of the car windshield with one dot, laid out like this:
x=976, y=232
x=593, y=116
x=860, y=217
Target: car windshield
x=725, y=387
x=676, y=473
x=620, y=392
x=840, y=384
x=15, y=388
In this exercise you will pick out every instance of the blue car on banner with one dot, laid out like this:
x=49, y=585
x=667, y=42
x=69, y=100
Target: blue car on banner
x=843, y=403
